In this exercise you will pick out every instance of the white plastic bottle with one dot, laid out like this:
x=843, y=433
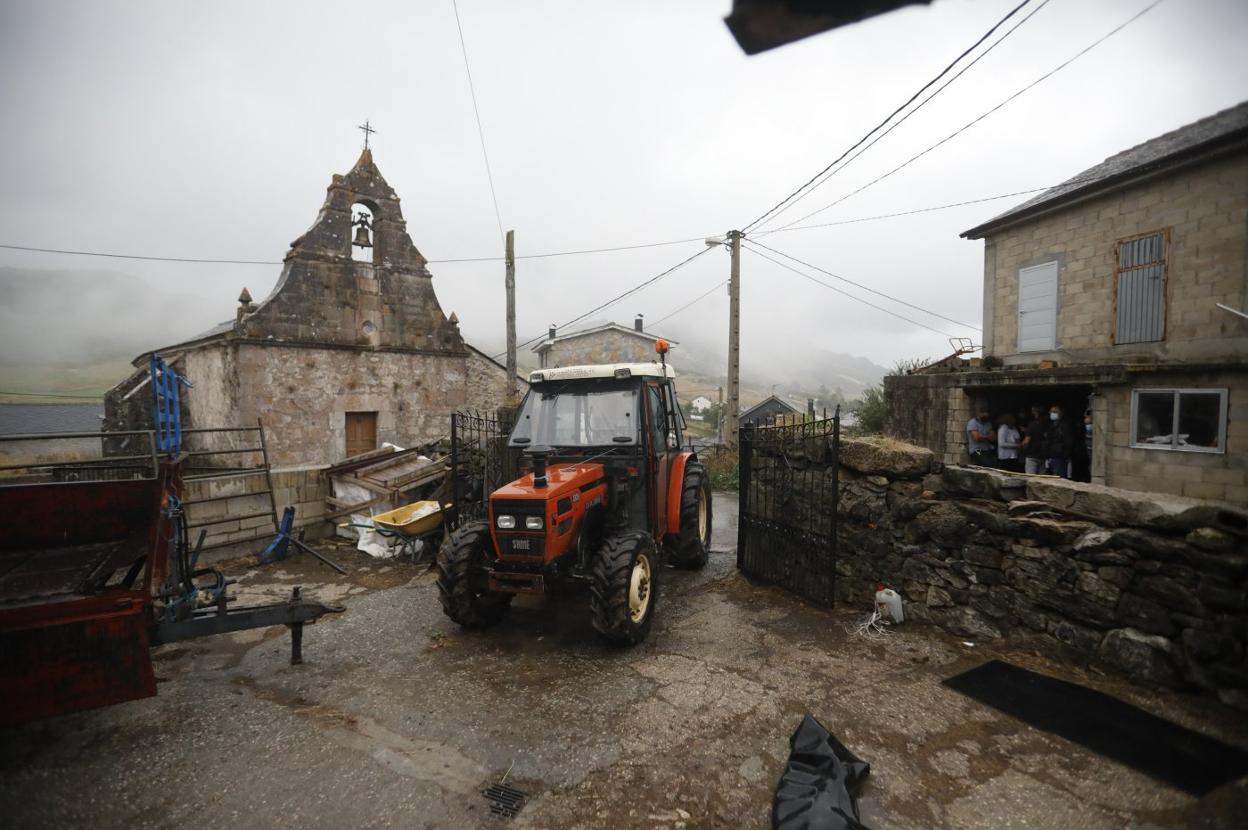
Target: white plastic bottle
x=888, y=604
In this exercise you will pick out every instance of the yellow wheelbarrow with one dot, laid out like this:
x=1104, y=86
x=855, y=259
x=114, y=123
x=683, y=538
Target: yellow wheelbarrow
x=407, y=527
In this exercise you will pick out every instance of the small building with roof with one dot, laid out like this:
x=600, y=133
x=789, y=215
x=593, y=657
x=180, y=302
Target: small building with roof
x=607, y=343
x=1121, y=293
x=766, y=411
x=349, y=350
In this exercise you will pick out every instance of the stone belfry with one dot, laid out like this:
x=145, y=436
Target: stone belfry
x=324, y=296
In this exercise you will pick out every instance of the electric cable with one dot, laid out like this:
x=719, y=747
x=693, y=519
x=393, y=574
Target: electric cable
x=477, y=112
x=611, y=302
x=891, y=115
x=817, y=281
x=975, y=121
x=865, y=288
x=916, y=109
x=694, y=301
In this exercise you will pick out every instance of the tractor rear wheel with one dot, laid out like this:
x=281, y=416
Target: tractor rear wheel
x=693, y=544
x=462, y=579
x=625, y=587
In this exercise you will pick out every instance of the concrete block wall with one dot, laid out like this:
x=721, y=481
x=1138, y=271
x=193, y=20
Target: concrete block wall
x=1205, y=209
x=1204, y=475
x=303, y=487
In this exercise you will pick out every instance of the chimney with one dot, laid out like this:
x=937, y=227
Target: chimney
x=552, y=331
x=639, y=323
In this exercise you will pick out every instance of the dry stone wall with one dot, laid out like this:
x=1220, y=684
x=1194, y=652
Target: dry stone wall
x=1152, y=585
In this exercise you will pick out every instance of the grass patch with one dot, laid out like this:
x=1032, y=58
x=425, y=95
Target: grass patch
x=723, y=468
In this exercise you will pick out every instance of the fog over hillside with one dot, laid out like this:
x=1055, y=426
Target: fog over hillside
x=80, y=317
x=77, y=317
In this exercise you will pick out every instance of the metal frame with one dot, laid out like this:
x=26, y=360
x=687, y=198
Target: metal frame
x=1177, y=393
x=789, y=499
x=481, y=462
x=1164, y=233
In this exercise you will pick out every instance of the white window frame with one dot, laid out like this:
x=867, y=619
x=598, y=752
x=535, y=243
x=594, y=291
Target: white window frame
x=1178, y=392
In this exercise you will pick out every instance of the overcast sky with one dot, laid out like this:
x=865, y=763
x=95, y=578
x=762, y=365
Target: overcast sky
x=212, y=129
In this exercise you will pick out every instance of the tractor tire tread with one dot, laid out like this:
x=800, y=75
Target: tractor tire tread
x=454, y=564
x=691, y=552
x=608, y=593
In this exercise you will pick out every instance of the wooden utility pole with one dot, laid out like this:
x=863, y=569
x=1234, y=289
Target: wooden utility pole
x=732, y=416
x=513, y=392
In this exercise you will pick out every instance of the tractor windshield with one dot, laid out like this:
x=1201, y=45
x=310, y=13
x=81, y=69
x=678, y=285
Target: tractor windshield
x=580, y=415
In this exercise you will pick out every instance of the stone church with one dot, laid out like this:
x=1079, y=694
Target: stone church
x=351, y=348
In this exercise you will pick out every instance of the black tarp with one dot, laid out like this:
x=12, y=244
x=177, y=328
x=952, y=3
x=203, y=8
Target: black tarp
x=819, y=788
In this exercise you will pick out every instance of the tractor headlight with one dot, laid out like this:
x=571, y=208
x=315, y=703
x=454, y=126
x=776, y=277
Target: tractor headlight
x=506, y=522
x=532, y=522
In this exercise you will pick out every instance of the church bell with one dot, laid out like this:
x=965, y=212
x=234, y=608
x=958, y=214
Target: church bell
x=361, y=237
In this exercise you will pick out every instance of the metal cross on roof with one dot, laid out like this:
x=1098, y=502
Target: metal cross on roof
x=368, y=130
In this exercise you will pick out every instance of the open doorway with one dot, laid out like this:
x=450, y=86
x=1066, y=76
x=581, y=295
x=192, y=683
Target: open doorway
x=1017, y=401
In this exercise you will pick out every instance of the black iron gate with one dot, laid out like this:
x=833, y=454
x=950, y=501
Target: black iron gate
x=480, y=461
x=790, y=479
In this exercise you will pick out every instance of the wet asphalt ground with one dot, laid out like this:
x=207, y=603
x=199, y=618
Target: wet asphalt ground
x=398, y=718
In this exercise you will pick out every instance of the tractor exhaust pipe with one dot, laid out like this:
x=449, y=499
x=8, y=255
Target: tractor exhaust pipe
x=539, y=467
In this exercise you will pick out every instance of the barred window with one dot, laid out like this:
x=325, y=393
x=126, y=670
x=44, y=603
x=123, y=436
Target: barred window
x=1140, y=289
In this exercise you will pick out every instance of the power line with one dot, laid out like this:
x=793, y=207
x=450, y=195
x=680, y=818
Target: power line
x=139, y=256
x=612, y=301
x=4, y=392
x=575, y=253
x=695, y=301
x=891, y=115
x=830, y=287
x=865, y=288
x=975, y=121
x=920, y=106
x=786, y=228
x=477, y=112
x=280, y=262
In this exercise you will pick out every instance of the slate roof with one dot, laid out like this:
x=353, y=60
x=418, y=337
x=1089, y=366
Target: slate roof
x=1218, y=131
x=769, y=399
x=22, y=418
x=545, y=344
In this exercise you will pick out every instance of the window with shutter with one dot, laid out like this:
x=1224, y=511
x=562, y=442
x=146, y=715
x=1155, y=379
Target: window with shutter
x=1140, y=289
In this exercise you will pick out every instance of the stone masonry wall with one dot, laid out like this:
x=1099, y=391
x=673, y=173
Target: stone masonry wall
x=610, y=346
x=1154, y=586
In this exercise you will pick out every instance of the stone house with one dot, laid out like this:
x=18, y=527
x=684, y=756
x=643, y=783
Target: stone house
x=1118, y=292
x=763, y=412
x=609, y=343
x=351, y=348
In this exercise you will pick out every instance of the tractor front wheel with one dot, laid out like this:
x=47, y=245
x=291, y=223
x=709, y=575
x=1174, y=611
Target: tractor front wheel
x=625, y=587
x=693, y=544
x=462, y=587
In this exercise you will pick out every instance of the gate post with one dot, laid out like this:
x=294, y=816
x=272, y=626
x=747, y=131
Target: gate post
x=836, y=496
x=455, y=469
x=745, y=444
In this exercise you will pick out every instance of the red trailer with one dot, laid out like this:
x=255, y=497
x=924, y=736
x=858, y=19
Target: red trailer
x=95, y=568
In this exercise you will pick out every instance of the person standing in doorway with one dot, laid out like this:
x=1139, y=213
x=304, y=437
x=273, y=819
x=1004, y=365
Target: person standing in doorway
x=981, y=439
x=1058, y=443
x=1033, y=441
x=1009, y=442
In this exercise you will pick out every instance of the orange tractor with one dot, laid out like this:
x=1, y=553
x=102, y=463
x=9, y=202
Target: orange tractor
x=607, y=497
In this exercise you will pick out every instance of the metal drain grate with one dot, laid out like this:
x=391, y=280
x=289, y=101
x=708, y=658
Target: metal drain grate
x=504, y=801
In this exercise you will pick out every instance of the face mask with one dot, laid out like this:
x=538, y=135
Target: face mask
x=1087, y=428
x=1054, y=416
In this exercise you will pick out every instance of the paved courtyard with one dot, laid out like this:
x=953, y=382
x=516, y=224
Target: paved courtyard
x=399, y=719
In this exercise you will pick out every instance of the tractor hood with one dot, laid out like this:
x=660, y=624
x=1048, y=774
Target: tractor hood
x=562, y=480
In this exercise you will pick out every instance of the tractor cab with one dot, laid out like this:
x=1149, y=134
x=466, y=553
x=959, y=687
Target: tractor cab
x=606, y=496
